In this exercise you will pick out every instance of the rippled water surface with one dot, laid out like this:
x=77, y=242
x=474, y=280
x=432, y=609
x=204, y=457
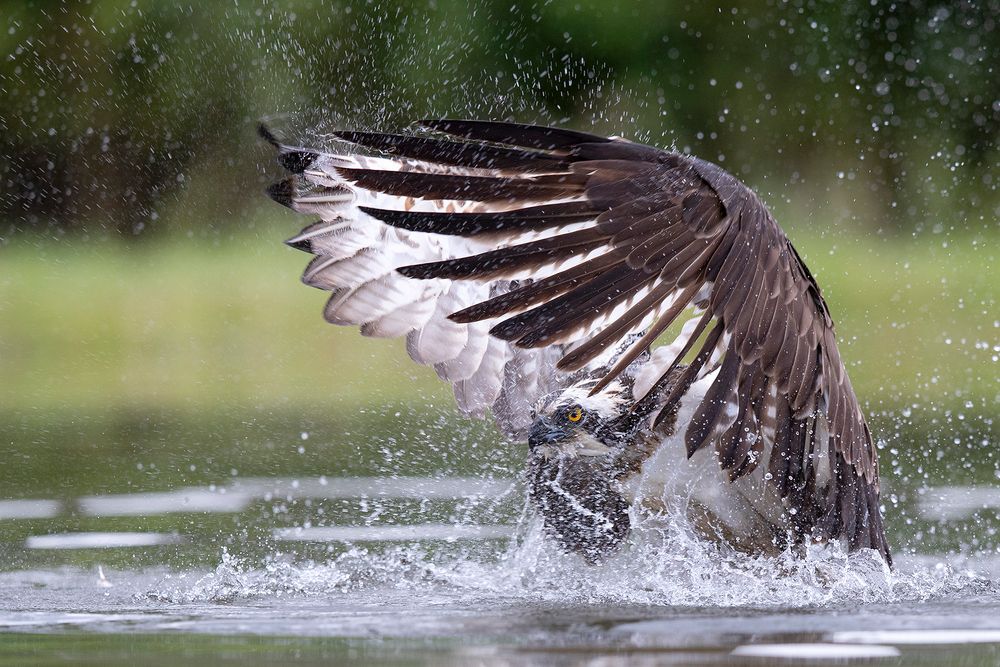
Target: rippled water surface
x=447, y=569
x=410, y=555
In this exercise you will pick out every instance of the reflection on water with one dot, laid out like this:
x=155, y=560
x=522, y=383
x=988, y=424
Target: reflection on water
x=238, y=496
x=803, y=651
x=104, y=540
x=938, y=637
x=422, y=531
x=949, y=503
x=418, y=488
x=371, y=503
x=28, y=509
x=189, y=499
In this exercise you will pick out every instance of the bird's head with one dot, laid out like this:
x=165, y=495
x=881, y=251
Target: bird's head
x=578, y=424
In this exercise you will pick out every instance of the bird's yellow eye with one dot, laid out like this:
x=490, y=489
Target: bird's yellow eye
x=575, y=415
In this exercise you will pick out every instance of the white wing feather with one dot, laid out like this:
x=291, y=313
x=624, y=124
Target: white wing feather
x=356, y=260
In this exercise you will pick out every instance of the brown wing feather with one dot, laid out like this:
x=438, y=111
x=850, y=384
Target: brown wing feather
x=458, y=153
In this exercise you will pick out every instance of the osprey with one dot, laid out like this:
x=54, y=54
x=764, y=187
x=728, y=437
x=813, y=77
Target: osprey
x=534, y=267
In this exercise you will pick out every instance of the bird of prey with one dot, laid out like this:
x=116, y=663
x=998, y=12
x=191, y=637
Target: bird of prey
x=534, y=267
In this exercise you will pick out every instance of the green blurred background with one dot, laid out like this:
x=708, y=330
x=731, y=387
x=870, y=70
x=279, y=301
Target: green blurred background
x=152, y=332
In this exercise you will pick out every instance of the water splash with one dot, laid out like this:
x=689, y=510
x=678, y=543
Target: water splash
x=668, y=566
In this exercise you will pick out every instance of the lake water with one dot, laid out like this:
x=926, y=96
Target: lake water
x=165, y=541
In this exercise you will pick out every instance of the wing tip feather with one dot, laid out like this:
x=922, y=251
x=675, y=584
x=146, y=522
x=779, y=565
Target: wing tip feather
x=283, y=192
x=295, y=160
x=299, y=243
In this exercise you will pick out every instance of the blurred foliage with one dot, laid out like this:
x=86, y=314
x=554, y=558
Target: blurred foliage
x=118, y=112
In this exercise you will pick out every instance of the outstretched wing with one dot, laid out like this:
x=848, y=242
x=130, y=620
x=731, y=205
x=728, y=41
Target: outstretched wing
x=564, y=245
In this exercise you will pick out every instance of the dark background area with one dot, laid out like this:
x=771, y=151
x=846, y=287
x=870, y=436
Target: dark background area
x=124, y=117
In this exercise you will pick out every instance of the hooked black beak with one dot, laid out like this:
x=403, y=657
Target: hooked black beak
x=544, y=433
